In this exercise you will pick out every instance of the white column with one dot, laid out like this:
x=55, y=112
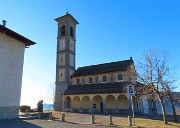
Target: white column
x=116, y=105
x=91, y=104
x=71, y=103
x=80, y=104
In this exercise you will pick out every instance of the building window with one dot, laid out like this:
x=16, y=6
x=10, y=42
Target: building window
x=119, y=76
x=104, y=78
x=71, y=31
x=63, y=30
x=90, y=80
x=77, y=81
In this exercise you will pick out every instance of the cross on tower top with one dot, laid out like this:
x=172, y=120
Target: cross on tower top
x=67, y=11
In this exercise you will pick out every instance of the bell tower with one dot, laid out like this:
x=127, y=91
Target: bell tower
x=65, y=60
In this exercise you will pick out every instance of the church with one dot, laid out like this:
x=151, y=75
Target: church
x=98, y=88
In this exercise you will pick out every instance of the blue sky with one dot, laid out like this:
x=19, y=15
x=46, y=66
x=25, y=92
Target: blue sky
x=108, y=30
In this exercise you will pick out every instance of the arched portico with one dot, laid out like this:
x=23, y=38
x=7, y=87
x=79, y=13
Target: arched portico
x=67, y=103
x=76, y=103
x=101, y=103
x=122, y=102
x=110, y=102
x=97, y=103
x=86, y=102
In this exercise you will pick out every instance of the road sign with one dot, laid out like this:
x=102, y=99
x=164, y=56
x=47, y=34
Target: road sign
x=130, y=90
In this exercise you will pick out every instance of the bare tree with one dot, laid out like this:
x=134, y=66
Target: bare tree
x=172, y=98
x=50, y=94
x=154, y=72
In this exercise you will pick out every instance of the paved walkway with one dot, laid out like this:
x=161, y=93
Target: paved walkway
x=36, y=123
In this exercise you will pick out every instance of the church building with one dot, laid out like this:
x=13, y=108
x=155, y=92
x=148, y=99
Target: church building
x=98, y=88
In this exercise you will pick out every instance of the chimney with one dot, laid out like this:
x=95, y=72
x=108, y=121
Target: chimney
x=131, y=58
x=4, y=23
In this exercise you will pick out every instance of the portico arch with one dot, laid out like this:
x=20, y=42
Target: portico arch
x=76, y=102
x=67, y=102
x=122, y=102
x=98, y=103
x=86, y=104
x=110, y=102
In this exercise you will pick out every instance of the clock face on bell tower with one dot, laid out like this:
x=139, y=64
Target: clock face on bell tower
x=62, y=44
x=65, y=62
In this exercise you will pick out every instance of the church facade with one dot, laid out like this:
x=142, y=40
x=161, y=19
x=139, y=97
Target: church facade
x=98, y=88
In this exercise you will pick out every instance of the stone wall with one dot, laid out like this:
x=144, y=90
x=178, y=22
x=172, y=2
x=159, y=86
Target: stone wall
x=9, y=112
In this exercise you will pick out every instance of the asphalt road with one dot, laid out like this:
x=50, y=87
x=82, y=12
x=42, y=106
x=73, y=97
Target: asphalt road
x=35, y=123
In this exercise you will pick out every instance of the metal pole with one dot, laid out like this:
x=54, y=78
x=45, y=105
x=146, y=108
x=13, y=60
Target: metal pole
x=133, y=109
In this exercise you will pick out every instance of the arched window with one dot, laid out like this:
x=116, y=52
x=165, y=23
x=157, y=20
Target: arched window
x=71, y=31
x=63, y=30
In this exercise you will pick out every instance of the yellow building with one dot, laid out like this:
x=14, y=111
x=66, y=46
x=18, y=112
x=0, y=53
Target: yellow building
x=100, y=88
x=97, y=88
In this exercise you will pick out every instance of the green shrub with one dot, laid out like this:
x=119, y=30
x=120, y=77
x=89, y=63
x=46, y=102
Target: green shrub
x=25, y=108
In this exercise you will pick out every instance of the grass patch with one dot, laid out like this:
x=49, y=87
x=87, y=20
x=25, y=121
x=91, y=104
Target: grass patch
x=155, y=123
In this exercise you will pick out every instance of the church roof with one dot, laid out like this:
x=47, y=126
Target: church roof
x=117, y=87
x=103, y=68
x=16, y=36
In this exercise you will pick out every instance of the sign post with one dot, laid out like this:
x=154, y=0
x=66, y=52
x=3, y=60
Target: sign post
x=131, y=93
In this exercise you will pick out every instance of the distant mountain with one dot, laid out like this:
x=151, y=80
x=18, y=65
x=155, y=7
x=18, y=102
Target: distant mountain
x=47, y=106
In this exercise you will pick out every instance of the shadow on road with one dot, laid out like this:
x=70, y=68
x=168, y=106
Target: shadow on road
x=16, y=124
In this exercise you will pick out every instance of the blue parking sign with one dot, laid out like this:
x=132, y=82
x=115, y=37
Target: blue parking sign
x=130, y=90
